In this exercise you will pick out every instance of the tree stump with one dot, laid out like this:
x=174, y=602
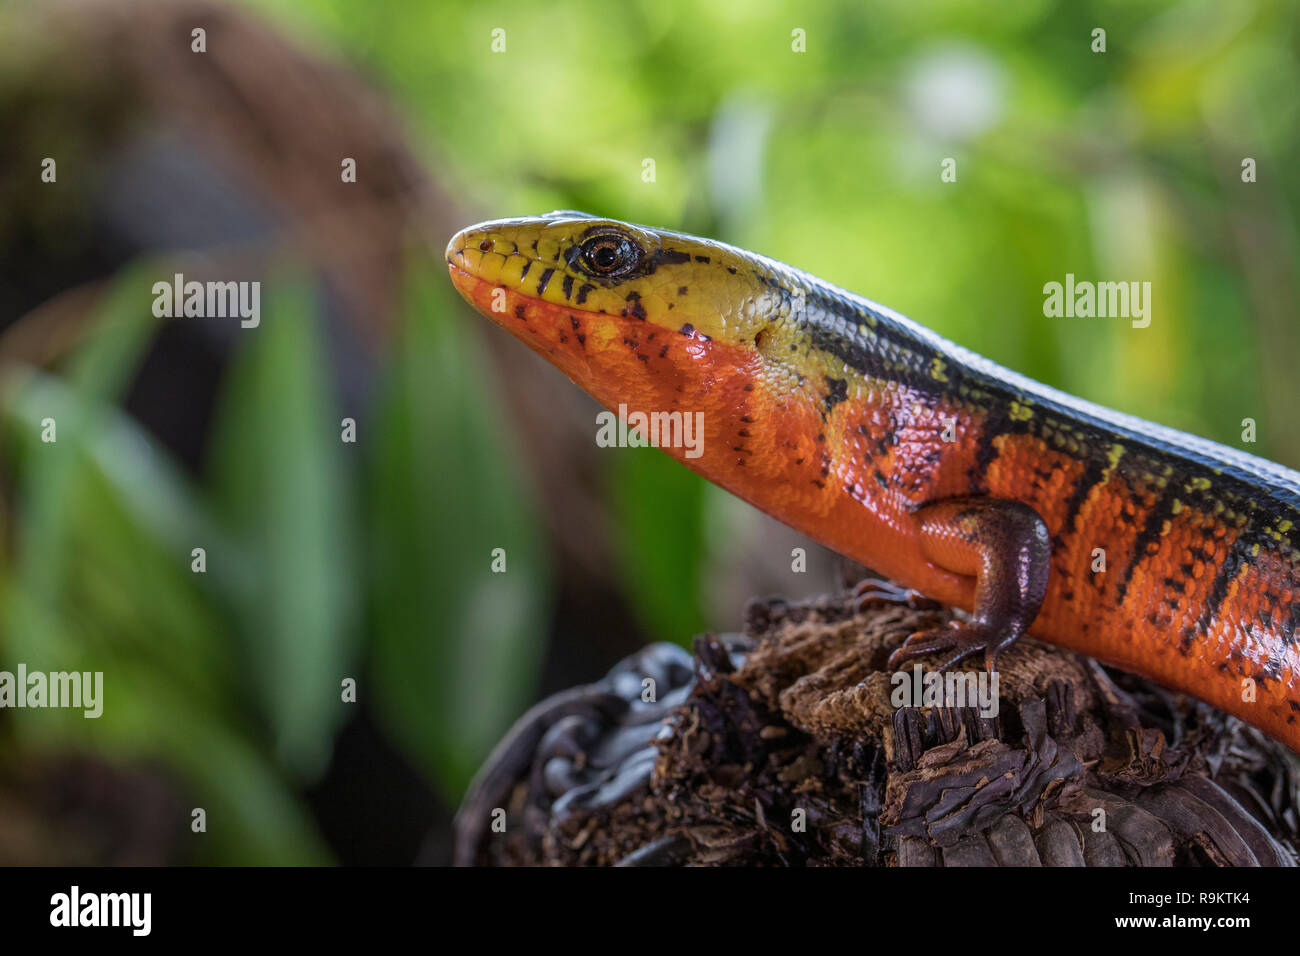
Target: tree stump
x=781, y=746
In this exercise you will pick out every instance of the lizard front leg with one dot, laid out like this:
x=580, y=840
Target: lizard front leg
x=1005, y=546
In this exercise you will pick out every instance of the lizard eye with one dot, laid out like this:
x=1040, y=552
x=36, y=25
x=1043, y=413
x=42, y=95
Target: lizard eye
x=609, y=256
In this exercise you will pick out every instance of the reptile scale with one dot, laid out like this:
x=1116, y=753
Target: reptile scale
x=960, y=479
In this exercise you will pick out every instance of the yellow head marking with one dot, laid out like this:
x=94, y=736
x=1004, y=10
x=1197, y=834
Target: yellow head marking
x=596, y=265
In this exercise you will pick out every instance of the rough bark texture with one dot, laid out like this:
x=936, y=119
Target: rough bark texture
x=781, y=747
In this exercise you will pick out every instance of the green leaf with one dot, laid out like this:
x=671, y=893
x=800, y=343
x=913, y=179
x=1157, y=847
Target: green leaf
x=99, y=372
x=281, y=485
x=456, y=646
x=658, y=504
x=126, y=605
x=122, y=541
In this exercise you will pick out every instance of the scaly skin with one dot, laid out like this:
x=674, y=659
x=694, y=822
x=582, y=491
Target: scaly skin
x=954, y=476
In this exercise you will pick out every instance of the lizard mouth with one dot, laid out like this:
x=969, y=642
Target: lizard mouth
x=462, y=279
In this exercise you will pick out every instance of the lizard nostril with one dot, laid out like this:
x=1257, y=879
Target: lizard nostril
x=485, y=245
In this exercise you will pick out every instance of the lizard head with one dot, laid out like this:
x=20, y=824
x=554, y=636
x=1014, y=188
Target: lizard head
x=602, y=271
x=655, y=322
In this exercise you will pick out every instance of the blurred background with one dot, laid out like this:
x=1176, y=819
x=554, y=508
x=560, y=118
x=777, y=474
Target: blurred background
x=329, y=559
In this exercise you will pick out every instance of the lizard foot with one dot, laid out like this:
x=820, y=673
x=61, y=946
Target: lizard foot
x=962, y=637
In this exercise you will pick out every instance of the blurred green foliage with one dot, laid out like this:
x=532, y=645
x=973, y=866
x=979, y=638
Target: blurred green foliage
x=234, y=676
x=105, y=530
x=1122, y=165
x=328, y=560
x=455, y=645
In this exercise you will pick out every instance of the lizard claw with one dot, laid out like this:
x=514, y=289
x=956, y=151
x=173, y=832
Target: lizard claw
x=961, y=637
x=875, y=590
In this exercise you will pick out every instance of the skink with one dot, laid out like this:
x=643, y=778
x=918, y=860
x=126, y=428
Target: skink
x=1156, y=551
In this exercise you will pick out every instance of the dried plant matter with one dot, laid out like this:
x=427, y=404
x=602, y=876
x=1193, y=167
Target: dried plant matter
x=781, y=747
